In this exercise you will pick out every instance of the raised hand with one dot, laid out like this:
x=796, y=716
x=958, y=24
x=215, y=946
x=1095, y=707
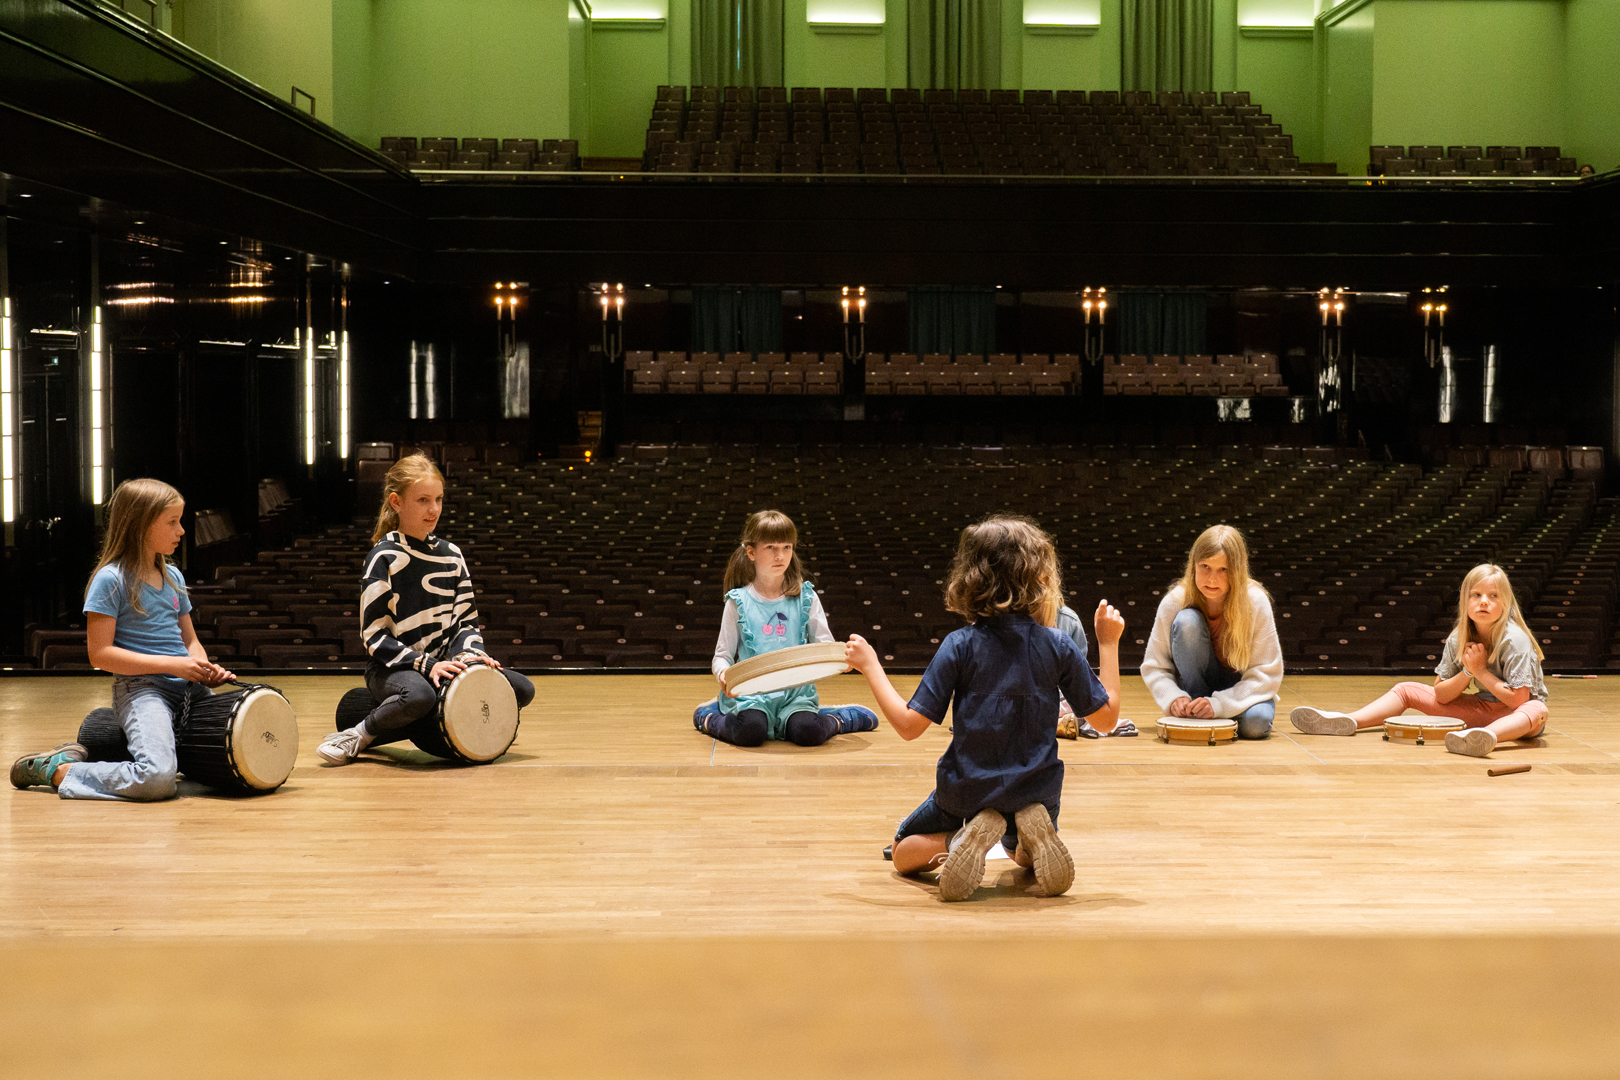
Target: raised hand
x=1110, y=623
x=1473, y=658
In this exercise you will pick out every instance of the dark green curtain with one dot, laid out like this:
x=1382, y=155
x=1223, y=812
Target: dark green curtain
x=1167, y=45
x=737, y=42
x=1160, y=322
x=953, y=44
x=725, y=319
x=952, y=319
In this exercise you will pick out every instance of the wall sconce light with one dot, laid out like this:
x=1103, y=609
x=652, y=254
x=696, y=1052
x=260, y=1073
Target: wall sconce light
x=1094, y=302
x=612, y=300
x=854, y=332
x=1434, y=309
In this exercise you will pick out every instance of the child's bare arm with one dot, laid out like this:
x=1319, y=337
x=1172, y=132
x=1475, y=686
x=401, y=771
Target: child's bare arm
x=1110, y=626
x=99, y=631
x=907, y=722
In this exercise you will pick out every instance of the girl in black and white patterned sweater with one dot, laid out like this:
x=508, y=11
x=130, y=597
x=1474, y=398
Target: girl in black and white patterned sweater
x=417, y=615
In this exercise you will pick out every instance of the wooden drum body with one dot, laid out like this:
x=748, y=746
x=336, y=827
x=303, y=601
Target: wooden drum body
x=783, y=669
x=1420, y=729
x=476, y=721
x=1191, y=730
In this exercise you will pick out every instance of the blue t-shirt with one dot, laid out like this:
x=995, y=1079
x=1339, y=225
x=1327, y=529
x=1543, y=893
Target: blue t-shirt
x=1005, y=674
x=157, y=631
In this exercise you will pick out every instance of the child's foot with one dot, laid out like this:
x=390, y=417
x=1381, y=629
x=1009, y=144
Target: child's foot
x=36, y=770
x=851, y=718
x=1054, y=868
x=341, y=747
x=1475, y=742
x=1319, y=722
x=964, y=866
x=706, y=718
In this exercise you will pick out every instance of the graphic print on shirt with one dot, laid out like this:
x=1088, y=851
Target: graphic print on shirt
x=776, y=623
x=408, y=615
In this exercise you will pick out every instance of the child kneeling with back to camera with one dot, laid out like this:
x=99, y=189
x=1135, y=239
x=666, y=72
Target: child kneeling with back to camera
x=1004, y=671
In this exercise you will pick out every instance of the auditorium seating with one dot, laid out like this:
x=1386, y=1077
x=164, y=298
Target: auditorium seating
x=762, y=130
x=733, y=373
x=619, y=564
x=482, y=155
x=1251, y=375
x=1461, y=162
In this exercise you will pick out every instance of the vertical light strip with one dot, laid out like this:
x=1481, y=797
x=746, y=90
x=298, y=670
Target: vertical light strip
x=432, y=381
x=343, y=397
x=8, y=435
x=97, y=413
x=308, y=342
x=414, y=407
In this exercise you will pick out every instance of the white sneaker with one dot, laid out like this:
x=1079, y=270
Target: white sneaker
x=340, y=747
x=1475, y=742
x=1318, y=722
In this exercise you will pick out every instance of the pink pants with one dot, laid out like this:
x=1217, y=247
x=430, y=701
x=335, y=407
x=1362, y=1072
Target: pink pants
x=1469, y=709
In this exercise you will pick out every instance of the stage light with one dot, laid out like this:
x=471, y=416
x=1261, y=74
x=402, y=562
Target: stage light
x=307, y=335
x=8, y=432
x=98, y=445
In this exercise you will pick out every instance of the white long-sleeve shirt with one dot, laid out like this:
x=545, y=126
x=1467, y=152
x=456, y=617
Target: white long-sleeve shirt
x=725, y=649
x=1259, y=682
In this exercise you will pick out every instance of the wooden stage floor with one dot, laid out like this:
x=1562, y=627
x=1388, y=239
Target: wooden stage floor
x=621, y=896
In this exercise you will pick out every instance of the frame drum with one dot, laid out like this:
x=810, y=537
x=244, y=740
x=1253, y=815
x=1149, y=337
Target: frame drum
x=1187, y=729
x=1420, y=729
x=783, y=669
x=476, y=721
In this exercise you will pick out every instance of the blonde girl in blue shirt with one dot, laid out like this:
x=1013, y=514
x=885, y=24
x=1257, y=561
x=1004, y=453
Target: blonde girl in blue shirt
x=138, y=621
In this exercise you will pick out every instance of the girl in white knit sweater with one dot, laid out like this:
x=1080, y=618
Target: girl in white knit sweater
x=1214, y=650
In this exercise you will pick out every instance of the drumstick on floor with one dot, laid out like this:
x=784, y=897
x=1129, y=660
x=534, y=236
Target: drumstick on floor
x=1507, y=770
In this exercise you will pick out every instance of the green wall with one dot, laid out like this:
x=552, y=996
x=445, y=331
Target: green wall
x=1279, y=72
x=1345, y=84
x=277, y=44
x=1472, y=72
x=352, y=70
x=1592, y=83
x=626, y=68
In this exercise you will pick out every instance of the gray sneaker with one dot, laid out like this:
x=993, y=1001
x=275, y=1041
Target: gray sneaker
x=1318, y=722
x=340, y=747
x=964, y=866
x=1054, y=867
x=1475, y=742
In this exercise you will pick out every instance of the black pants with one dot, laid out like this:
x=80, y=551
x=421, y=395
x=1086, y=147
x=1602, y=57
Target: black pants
x=404, y=696
x=748, y=728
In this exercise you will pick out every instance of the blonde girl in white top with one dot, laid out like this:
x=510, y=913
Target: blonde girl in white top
x=1214, y=651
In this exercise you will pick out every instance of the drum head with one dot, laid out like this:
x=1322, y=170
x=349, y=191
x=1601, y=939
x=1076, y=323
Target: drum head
x=1420, y=729
x=480, y=713
x=785, y=668
x=264, y=739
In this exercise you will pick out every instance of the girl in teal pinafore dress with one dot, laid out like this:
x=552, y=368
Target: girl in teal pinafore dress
x=770, y=606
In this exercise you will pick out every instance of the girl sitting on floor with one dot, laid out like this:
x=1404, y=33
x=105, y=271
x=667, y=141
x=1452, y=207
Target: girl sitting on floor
x=138, y=627
x=770, y=606
x=1000, y=677
x=1490, y=647
x=1214, y=651
x=417, y=617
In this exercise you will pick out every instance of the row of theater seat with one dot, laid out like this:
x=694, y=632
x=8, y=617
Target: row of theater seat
x=522, y=155
x=964, y=132
x=1208, y=376
x=733, y=373
x=1541, y=161
x=620, y=565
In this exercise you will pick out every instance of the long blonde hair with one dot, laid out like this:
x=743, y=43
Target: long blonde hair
x=1492, y=641
x=131, y=512
x=1005, y=564
x=1237, y=616
x=765, y=527
x=408, y=470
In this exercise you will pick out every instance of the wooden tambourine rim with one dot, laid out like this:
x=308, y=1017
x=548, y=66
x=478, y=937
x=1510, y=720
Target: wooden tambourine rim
x=1421, y=730
x=815, y=654
x=452, y=689
x=1213, y=731
x=281, y=724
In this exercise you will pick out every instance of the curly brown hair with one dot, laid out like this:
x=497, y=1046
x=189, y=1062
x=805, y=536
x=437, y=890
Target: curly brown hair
x=1005, y=564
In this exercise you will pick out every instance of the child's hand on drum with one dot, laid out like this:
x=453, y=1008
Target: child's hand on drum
x=859, y=654
x=445, y=669
x=219, y=676
x=723, y=688
x=1110, y=624
x=192, y=669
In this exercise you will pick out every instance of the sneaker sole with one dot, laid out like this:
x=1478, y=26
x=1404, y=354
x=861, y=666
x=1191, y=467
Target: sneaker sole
x=1475, y=743
x=1316, y=722
x=963, y=871
x=1054, y=866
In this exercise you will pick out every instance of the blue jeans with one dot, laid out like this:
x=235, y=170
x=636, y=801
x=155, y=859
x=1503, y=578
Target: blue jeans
x=930, y=817
x=146, y=706
x=1199, y=674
